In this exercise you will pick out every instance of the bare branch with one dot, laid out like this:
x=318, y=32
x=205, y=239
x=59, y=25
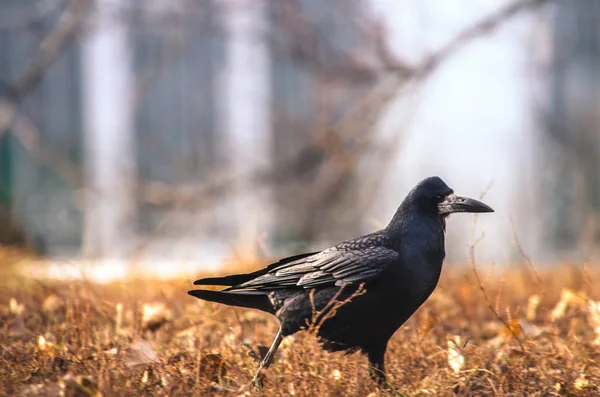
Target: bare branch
x=536, y=275
x=488, y=301
x=480, y=28
x=48, y=51
x=29, y=13
x=50, y=48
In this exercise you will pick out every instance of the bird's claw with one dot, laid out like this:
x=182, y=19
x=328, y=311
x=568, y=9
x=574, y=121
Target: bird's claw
x=251, y=352
x=388, y=387
x=258, y=380
x=259, y=355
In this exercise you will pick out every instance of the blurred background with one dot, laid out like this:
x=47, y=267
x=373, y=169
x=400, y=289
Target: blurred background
x=168, y=135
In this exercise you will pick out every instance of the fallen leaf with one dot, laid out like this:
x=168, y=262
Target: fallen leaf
x=532, y=304
x=52, y=304
x=594, y=318
x=513, y=329
x=16, y=307
x=337, y=375
x=80, y=386
x=43, y=344
x=140, y=353
x=567, y=298
x=41, y=389
x=455, y=358
x=582, y=383
x=16, y=327
x=155, y=315
x=111, y=352
x=531, y=330
x=119, y=317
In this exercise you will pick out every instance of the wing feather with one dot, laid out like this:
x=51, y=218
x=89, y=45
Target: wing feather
x=335, y=266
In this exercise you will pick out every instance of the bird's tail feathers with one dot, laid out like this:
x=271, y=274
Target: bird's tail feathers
x=250, y=299
x=225, y=281
x=230, y=281
x=237, y=279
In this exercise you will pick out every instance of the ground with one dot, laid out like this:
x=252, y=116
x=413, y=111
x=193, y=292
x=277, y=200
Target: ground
x=514, y=332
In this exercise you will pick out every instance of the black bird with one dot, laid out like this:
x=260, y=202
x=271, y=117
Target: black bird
x=358, y=293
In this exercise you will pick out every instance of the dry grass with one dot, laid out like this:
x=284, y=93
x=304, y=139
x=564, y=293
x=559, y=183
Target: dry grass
x=84, y=338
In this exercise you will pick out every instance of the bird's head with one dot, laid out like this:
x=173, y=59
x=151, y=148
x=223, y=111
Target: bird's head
x=432, y=195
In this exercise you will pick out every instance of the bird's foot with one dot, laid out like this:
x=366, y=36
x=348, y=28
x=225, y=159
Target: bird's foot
x=259, y=355
x=389, y=388
x=383, y=383
x=258, y=380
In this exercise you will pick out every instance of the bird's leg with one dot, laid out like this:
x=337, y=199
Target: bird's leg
x=376, y=366
x=268, y=358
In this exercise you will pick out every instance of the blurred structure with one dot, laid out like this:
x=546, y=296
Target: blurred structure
x=183, y=129
x=37, y=188
x=158, y=123
x=569, y=155
x=319, y=74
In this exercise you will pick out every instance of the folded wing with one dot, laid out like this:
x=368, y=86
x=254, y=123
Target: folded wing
x=333, y=267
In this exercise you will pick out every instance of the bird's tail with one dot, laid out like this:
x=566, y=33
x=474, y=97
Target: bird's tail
x=237, y=279
x=241, y=297
x=229, y=281
x=250, y=299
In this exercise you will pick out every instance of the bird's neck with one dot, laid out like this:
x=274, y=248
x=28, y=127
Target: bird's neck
x=399, y=217
x=409, y=216
x=417, y=229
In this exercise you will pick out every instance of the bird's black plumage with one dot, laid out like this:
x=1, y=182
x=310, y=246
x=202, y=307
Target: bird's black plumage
x=386, y=275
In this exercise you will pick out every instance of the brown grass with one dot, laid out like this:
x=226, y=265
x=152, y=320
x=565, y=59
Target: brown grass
x=59, y=337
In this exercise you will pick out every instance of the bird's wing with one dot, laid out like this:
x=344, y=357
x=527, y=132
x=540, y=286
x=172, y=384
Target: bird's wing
x=335, y=266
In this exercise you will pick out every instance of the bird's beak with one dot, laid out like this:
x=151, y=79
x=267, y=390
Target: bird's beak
x=454, y=203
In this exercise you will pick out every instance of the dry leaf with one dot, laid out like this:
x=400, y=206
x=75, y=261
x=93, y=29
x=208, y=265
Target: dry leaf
x=337, y=375
x=567, y=298
x=288, y=341
x=557, y=386
x=559, y=310
x=119, y=317
x=140, y=353
x=455, y=358
x=530, y=330
x=582, y=383
x=514, y=328
x=111, y=352
x=16, y=327
x=594, y=318
x=52, y=304
x=155, y=315
x=532, y=304
x=41, y=389
x=427, y=323
x=43, y=344
x=80, y=386
x=16, y=307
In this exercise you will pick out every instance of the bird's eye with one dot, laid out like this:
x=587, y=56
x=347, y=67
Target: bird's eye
x=439, y=198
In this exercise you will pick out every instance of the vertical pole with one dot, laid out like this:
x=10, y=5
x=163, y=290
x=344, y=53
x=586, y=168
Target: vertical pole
x=109, y=141
x=247, y=116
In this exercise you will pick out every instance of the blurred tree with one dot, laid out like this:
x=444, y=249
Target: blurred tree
x=37, y=196
x=179, y=52
x=570, y=158
x=318, y=74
